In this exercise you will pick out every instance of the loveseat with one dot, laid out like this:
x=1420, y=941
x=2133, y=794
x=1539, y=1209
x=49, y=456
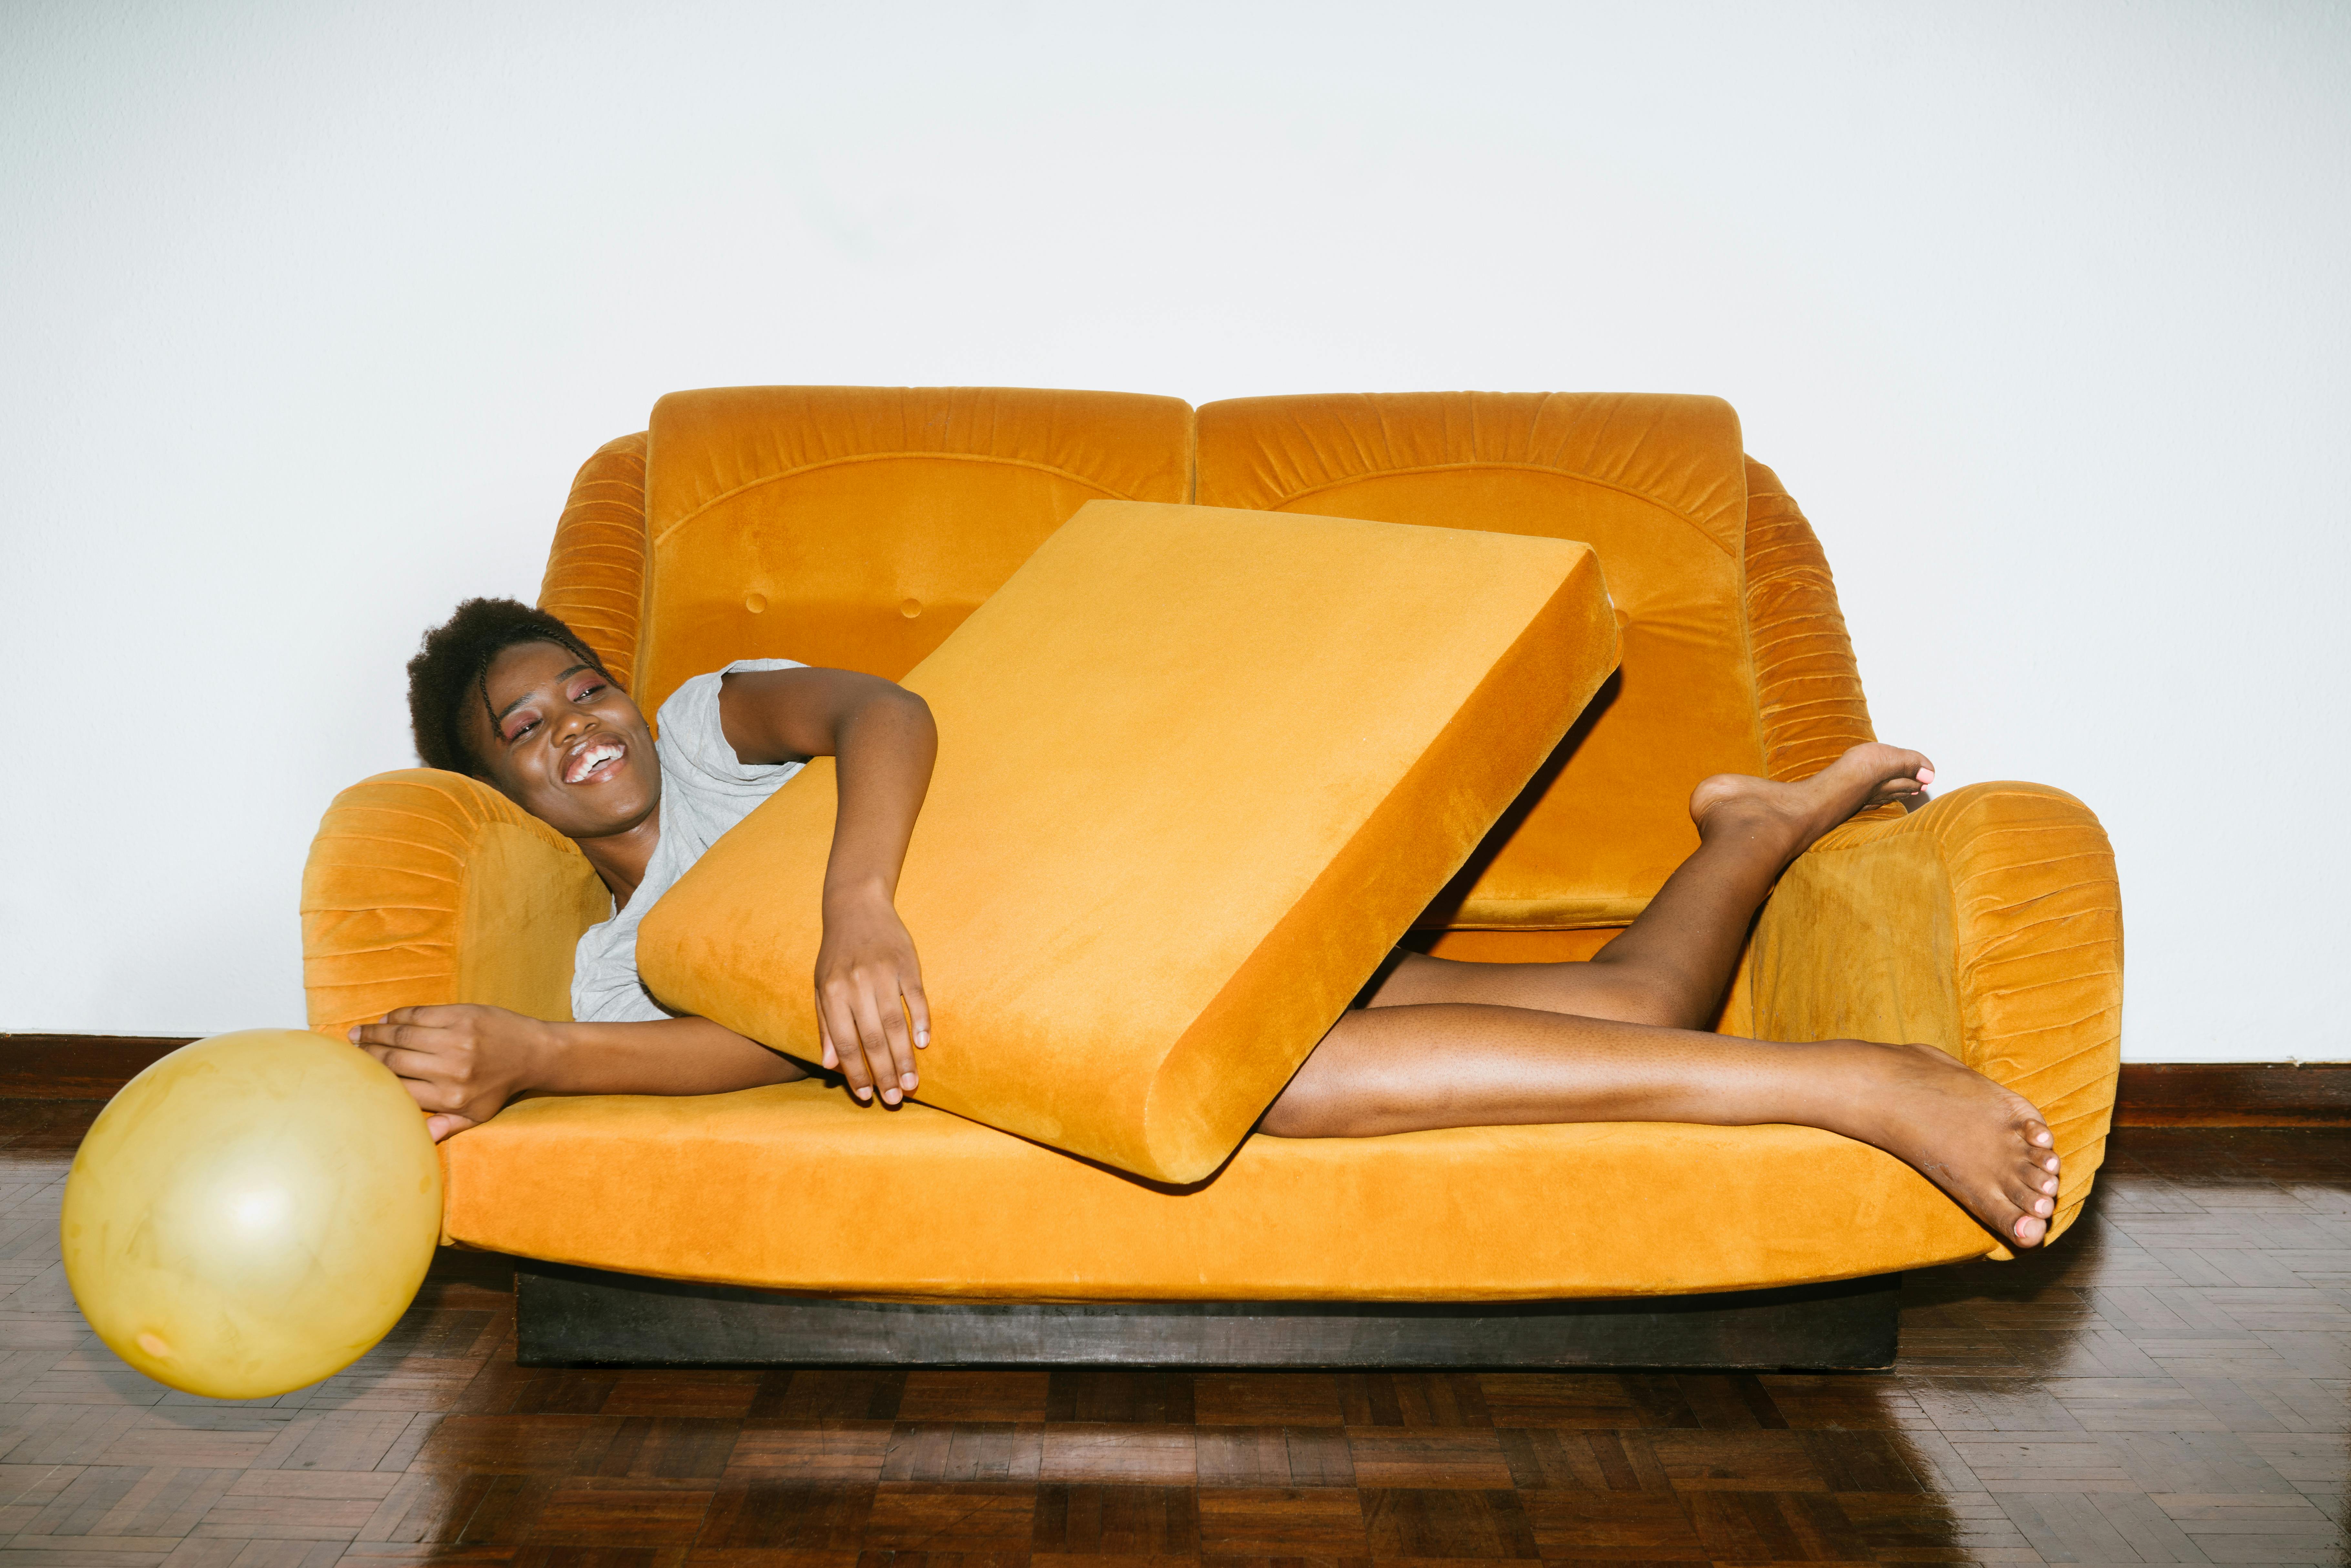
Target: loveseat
x=859, y=527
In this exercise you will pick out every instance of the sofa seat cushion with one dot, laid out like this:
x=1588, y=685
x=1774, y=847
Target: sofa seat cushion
x=1197, y=771
x=795, y=1188
x=1657, y=485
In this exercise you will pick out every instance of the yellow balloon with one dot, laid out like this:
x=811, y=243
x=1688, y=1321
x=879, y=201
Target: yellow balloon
x=252, y=1213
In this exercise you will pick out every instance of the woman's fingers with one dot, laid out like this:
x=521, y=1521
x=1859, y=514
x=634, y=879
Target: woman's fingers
x=433, y=1088
x=891, y=1061
x=409, y=1034
x=383, y=1050
x=829, y=1059
x=918, y=1007
x=407, y=1063
x=840, y=1024
x=901, y=1036
x=433, y=1063
x=433, y=1017
x=897, y=1036
x=441, y=1126
x=422, y=1047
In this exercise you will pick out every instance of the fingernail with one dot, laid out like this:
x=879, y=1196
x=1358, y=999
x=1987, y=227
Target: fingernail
x=906, y=1081
x=922, y=1038
x=862, y=1093
x=889, y=1096
x=352, y=1034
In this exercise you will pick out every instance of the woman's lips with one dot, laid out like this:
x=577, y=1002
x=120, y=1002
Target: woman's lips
x=596, y=761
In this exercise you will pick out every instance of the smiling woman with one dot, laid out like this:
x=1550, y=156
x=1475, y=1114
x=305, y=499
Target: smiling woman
x=509, y=695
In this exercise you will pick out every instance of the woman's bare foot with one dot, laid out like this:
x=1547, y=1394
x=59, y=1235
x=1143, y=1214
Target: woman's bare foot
x=1985, y=1146
x=1865, y=775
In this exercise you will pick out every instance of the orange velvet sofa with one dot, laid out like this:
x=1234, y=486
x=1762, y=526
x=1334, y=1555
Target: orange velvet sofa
x=859, y=527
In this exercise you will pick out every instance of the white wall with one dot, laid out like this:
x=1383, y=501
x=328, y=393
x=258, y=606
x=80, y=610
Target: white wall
x=311, y=311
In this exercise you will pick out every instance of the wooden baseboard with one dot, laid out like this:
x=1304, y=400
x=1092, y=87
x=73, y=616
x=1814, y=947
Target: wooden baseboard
x=2233, y=1095
x=77, y=1066
x=2151, y=1094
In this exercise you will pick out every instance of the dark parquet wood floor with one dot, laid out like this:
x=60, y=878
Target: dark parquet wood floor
x=2171, y=1383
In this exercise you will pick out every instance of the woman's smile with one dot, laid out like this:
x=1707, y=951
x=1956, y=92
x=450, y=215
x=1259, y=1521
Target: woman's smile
x=595, y=758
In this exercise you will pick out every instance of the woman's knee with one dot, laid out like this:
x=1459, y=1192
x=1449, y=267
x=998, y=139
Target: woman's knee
x=1627, y=994
x=1337, y=1093
x=1303, y=1110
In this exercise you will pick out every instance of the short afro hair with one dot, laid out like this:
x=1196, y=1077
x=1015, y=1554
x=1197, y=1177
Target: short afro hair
x=453, y=668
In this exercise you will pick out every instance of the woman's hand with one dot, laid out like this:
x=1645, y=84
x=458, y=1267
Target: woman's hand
x=462, y=1063
x=864, y=968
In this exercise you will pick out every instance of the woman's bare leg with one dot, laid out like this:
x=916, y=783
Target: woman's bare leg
x=1403, y=1068
x=1446, y=1044
x=1672, y=964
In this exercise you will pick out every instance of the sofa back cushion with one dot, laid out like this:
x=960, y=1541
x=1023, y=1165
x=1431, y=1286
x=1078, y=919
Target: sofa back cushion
x=856, y=527
x=1656, y=485
x=1197, y=771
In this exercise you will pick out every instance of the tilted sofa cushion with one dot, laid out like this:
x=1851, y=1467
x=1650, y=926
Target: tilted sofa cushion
x=1198, y=770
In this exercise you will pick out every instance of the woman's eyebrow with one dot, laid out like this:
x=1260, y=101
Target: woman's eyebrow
x=500, y=716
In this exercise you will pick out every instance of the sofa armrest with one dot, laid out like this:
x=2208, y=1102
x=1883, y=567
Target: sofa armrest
x=425, y=887
x=1989, y=923
x=1807, y=685
x=595, y=579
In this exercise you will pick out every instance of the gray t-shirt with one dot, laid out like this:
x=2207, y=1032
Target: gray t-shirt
x=705, y=789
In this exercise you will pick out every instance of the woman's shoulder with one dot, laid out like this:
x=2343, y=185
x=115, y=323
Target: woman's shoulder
x=693, y=734
x=692, y=708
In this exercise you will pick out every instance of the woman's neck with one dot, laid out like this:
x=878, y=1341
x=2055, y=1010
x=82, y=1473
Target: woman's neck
x=620, y=858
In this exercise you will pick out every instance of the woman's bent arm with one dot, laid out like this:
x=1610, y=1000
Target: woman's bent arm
x=871, y=1015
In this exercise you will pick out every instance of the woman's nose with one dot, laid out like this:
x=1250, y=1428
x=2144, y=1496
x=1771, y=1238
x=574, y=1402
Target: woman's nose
x=565, y=724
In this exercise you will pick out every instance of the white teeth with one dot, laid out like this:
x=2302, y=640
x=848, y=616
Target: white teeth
x=595, y=757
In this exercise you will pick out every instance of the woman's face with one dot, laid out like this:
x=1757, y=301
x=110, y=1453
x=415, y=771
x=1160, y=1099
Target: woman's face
x=565, y=743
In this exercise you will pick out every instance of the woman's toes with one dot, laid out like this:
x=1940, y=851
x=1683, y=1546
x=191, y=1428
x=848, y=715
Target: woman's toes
x=2029, y=1230
x=2041, y=1137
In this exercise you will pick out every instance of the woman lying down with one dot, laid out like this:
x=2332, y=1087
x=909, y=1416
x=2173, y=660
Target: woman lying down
x=508, y=694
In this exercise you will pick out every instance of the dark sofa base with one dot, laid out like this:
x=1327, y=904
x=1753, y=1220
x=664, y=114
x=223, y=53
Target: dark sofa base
x=577, y=1317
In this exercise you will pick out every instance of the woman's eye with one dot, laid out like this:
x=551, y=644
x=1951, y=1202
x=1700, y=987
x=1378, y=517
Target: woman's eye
x=587, y=692
x=524, y=727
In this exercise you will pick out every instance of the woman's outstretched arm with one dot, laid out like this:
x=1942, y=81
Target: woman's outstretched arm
x=463, y=1061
